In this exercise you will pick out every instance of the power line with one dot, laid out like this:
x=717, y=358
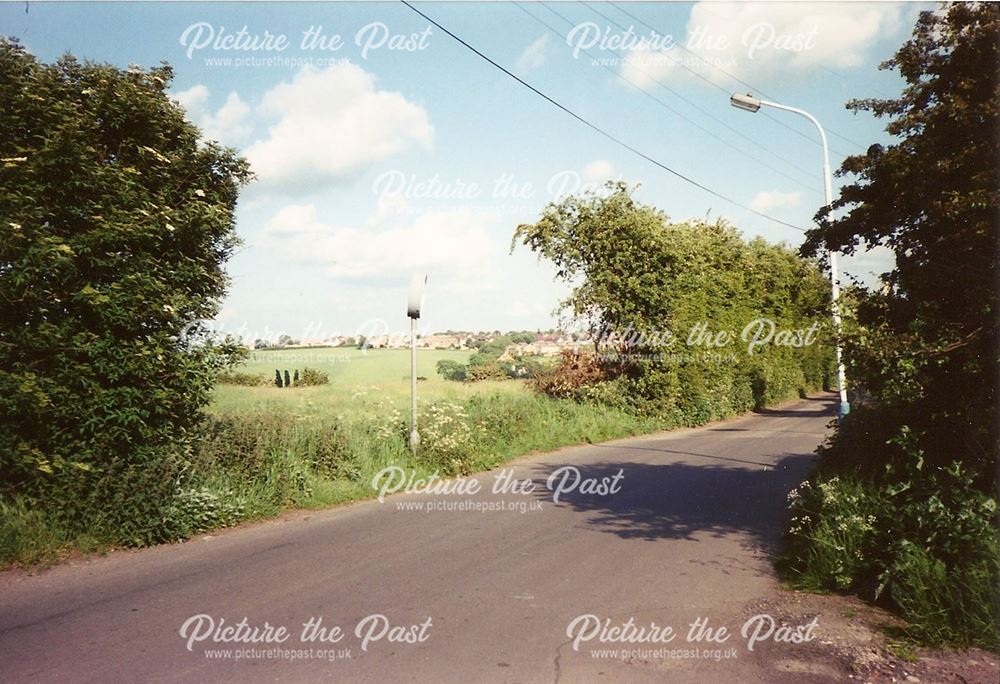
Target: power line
x=735, y=78
x=601, y=131
x=670, y=109
x=702, y=110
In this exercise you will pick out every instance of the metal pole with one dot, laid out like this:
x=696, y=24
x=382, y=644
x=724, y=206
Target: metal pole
x=845, y=406
x=414, y=435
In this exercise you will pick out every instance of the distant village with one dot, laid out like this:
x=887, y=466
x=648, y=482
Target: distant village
x=522, y=343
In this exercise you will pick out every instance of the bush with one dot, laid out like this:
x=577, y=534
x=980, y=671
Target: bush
x=243, y=379
x=920, y=537
x=575, y=369
x=451, y=370
x=491, y=370
x=312, y=377
x=117, y=223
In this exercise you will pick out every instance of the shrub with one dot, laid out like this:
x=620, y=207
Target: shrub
x=574, y=370
x=451, y=370
x=243, y=379
x=920, y=537
x=197, y=510
x=117, y=223
x=311, y=377
x=277, y=378
x=490, y=370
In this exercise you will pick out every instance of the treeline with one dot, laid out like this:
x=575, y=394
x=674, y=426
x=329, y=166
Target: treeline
x=903, y=508
x=674, y=309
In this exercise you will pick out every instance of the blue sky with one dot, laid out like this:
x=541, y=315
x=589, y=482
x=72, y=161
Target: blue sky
x=415, y=154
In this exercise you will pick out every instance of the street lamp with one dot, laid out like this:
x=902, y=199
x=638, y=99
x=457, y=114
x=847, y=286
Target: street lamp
x=749, y=103
x=416, y=300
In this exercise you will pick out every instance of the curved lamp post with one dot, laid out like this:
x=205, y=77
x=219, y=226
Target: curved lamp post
x=416, y=301
x=750, y=103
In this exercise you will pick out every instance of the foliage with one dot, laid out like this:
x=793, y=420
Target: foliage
x=446, y=438
x=927, y=342
x=258, y=462
x=924, y=346
x=278, y=382
x=115, y=224
x=642, y=285
x=574, y=371
x=485, y=370
x=310, y=378
x=919, y=537
x=491, y=361
x=451, y=370
x=243, y=379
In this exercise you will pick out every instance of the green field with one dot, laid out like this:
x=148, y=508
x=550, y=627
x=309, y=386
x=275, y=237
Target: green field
x=357, y=380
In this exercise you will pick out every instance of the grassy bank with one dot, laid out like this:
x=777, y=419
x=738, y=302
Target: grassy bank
x=877, y=521
x=263, y=450
x=271, y=455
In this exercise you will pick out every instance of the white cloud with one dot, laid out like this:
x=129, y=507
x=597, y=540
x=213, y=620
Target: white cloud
x=451, y=243
x=228, y=124
x=598, y=171
x=331, y=125
x=193, y=98
x=770, y=200
x=754, y=39
x=534, y=55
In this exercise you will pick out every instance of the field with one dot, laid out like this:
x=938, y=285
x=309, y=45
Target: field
x=357, y=378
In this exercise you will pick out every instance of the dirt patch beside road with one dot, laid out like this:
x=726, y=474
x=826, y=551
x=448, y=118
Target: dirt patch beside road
x=853, y=643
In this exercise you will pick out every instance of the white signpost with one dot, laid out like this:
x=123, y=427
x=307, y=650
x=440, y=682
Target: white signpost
x=417, y=284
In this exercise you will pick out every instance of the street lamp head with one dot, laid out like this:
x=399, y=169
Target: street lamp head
x=745, y=102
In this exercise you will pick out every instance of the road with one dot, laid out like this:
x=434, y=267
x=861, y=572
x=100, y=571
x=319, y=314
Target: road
x=689, y=532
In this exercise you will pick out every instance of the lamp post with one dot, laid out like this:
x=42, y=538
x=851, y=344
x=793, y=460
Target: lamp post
x=416, y=300
x=749, y=103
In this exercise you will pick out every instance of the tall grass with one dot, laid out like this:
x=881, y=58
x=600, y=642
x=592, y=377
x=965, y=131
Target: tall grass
x=254, y=463
x=922, y=540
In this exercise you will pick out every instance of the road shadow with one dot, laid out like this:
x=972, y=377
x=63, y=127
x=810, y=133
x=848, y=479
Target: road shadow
x=818, y=405
x=685, y=499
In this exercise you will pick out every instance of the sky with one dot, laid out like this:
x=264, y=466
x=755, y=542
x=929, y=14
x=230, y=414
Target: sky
x=382, y=146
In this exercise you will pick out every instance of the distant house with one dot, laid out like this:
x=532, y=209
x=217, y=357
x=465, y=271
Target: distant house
x=441, y=342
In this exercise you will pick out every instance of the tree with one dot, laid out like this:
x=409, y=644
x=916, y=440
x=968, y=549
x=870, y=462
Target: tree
x=641, y=281
x=451, y=370
x=926, y=343
x=921, y=458
x=288, y=379
x=295, y=379
x=115, y=223
x=277, y=378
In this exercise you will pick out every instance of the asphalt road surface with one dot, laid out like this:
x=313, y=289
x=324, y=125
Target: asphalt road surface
x=487, y=587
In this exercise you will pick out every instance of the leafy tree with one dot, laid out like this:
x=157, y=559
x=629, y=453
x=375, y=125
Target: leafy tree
x=922, y=457
x=115, y=224
x=451, y=370
x=288, y=379
x=638, y=279
x=277, y=378
x=927, y=342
